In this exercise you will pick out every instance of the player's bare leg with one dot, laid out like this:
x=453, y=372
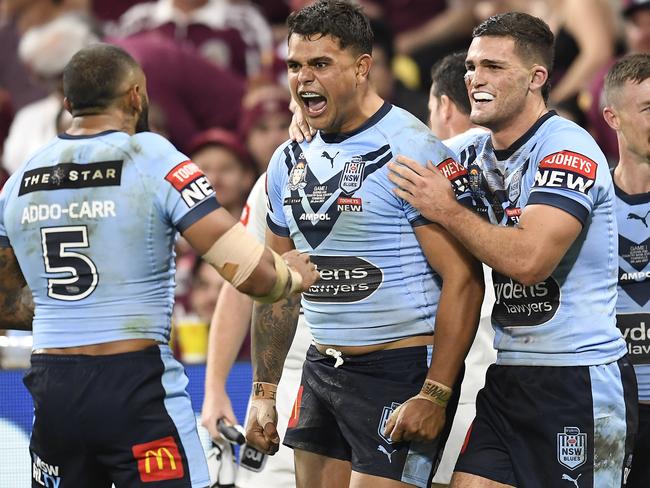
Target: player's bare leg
x=316, y=471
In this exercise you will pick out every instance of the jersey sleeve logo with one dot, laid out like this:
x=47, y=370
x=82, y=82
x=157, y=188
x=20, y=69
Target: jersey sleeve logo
x=190, y=182
x=568, y=170
x=455, y=173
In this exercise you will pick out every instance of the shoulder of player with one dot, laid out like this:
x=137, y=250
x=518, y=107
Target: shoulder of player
x=406, y=134
x=156, y=152
x=285, y=156
x=475, y=136
x=562, y=135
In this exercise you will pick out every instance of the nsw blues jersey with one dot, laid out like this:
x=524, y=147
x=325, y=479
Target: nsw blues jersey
x=93, y=221
x=333, y=198
x=569, y=318
x=633, y=305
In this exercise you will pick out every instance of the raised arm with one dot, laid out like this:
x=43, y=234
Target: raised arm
x=16, y=304
x=247, y=264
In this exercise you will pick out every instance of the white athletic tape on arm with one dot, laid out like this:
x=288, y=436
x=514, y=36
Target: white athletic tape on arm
x=235, y=255
x=287, y=282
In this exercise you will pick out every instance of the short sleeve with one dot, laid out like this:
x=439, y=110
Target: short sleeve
x=571, y=173
x=187, y=195
x=280, y=166
x=431, y=149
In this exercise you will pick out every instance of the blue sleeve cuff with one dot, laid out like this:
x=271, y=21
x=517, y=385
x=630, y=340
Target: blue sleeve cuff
x=4, y=241
x=197, y=213
x=419, y=220
x=558, y=201
x=278, y=230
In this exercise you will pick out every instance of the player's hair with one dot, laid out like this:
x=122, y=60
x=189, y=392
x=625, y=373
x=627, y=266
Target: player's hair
x=633, y=67
x=533, y=38
x=339, y=19
x=447, y=79
x=92, y=78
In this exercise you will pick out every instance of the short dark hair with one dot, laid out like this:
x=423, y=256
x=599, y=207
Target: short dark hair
x=92, y=78
x=633, y=67
x=447, y=77
x=533, y=38
x=339, y=19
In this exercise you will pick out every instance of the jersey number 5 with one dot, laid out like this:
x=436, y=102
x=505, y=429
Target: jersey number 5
x=82, y=278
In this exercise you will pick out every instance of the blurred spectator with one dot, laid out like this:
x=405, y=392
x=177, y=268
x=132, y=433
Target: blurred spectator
x=3, y=177
x=192, y=94
x=425, y=30
x=26, y=14
x=636, y=22
x=206, y=286
x=231, y=35
x=16, y=17
x=579, y=54
x=191, y=323
x=45, y=49
x=388, y=86
x=223, y=158
x=449, y=105
x=264, y=123
x=6, y=116
x=111, y=10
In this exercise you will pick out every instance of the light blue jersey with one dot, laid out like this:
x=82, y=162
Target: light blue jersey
x=93, y=221
x=633, y=305
x=332, y=197
x=569, y=318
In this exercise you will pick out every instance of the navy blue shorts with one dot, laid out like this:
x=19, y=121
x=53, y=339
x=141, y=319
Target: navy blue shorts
x=639, y=476
x=341, y=412
x=123, y=419
x=545, y=427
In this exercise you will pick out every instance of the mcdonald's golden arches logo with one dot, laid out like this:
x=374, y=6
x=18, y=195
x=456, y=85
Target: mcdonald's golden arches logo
x=158, y=460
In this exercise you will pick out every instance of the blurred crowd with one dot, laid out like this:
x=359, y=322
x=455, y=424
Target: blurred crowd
x=217, y=80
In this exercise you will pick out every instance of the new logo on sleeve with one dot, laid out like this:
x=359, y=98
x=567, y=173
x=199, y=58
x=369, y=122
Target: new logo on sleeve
x=190, y=182
x=568, y=170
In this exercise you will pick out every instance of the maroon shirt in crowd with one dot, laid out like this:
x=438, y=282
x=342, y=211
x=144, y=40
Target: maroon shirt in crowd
x=193, y=93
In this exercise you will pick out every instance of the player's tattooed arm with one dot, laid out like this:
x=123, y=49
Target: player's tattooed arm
x=274, y=326
x=16, y=304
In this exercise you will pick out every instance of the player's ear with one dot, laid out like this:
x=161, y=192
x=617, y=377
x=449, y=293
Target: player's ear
x=67, y=105
x=538, y=77
x=135, y=97
x=446, y=107
x=363, y=65
x=611, y=117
